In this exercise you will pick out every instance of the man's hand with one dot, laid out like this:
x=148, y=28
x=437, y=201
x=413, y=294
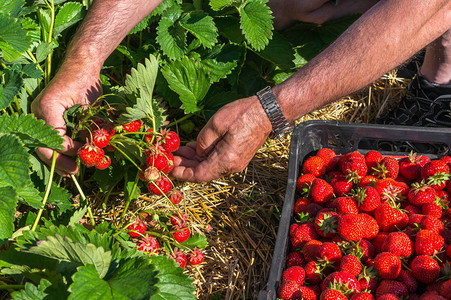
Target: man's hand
x=226, y=144
x=70, y=86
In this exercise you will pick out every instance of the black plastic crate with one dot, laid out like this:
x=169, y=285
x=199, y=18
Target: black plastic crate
x=308, y=137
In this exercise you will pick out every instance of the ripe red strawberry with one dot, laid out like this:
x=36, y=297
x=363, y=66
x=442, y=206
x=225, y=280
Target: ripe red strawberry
x=90, y=155
x=104, y=163
x=392, y=287
x=133, y=126
x=150, y=137
x=300, y=205
x=428, y=242
x=368, y=199
x=341, y=185
x=390, y=218
x=195, y=257
x=304, y=183
x=148, y=244
x=296, y=274
x=445, y=289
x=329, y=294
x=364, y=249
x=367, y=180
x=433, y=224
x=179, y=258
x=314, y=272
x=420, y=194
x=100, y=138
x=160, y=186
x=425, y=268
x=354, y=168
x=314, y=165
x=388, y=265
x=326, y=223
x=436, y=174
x=355, y=227
x=406, y=277
x=329, y=157
x=345, y=205
x=181, y=234
x=289, y=290
x=362, y=296
x=330, y=252
x=295, y=258
x=433, y=209
x=311, y=250
x=388, y=189
x=368, y=279
x=136, y=229
x=160, y=159
x=342, y=278
x=321, y=191
x=169, y=140
x=398, y=243
x=372, y=159
x=350, y=264
x=302, y=233
x=411, y=165
x=175, y=196
x=387, y=168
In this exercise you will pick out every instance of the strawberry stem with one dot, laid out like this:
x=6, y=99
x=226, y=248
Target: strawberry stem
x=47, y=192
x=83, y=197
x=129, y=197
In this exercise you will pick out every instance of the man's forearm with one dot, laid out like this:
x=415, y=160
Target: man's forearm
x=104, y=27
x=383, y=38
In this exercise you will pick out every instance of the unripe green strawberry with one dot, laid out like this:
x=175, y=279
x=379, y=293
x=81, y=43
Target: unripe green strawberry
x=90, y=155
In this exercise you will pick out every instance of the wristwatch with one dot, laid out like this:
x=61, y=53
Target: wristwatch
x=280, y=125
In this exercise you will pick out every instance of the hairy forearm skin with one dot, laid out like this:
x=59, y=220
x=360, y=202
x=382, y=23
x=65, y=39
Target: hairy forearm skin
x=102, y=30
x=383, y=38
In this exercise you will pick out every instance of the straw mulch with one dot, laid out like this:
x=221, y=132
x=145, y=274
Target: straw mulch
x=243, y=209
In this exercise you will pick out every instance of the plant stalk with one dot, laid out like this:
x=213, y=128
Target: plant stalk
x=47, y=192
x=83, y=197
x=129, y=200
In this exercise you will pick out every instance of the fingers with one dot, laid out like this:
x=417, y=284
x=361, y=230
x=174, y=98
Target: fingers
x=64, y=164
x=210, y=135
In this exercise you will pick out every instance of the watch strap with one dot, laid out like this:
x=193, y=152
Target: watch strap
x=280, y=125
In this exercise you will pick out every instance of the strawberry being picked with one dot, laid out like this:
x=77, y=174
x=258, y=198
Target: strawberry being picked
x=90, y=155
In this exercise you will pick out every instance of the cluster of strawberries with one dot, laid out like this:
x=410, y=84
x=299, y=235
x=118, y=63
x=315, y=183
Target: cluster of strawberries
x=370, y=227
x=149, y=244
x=159, y=159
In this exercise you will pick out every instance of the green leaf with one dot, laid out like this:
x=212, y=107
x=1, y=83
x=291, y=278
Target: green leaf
x=69, y=14
x=279, y=51
x=28, y=70
x=201, y=25
x=11, y=7
x=31, y=131
x=13, y=39
x=13, y=162
x=189, y=80
x=29, y=195
x=32, y=292
x=196, y=240
x=221, y=60
x=78, y=215
x=220, y=4
x=229, y=27
x=133, y=279
x=139, y=85
x=256, y=23
x=45, y=19
x=173, y=283
x=60, y=198
x=107, y=179
x=8, y=203
x=64, y=249
x=12, y=81
x=141, y=25
x=43, y=50
x=170, y=35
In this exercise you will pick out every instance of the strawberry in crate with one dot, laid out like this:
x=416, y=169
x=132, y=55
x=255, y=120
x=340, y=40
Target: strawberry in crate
x=369, y=226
